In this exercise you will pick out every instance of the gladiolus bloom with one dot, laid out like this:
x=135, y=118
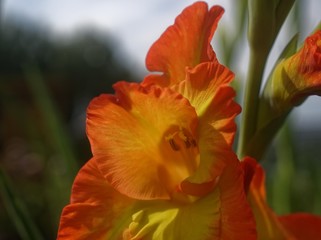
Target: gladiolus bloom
x=162, y=165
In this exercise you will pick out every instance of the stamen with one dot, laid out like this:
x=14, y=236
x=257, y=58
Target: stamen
x=174, y=146
x=179, y=139
x=190, y=142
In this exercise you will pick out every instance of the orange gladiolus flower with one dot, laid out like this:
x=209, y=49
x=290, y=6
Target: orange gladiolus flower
x=298, y=226
x=162, y=165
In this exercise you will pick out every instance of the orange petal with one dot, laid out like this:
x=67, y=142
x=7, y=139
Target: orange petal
x=184, y=44
x=206, y=89
x=302, y=225
x=94, y=207
x=144, y=139
x=237, y=217
x=222, y=214
x=267, y=224
x=90, y=186
x=83, y=221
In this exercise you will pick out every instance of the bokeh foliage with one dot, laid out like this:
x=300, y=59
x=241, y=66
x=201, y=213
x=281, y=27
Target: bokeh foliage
x=46, y=84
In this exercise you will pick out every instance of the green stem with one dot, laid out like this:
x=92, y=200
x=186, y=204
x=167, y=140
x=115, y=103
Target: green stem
x=251, y=99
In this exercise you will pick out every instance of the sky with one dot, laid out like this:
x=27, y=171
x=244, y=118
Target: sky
x=135, y=25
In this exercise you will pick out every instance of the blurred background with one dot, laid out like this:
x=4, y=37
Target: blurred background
x=55, y=56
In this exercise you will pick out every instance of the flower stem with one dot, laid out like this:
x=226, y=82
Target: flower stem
x=251, y=99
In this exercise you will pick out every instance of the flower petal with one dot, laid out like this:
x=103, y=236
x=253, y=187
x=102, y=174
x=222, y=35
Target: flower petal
x=100, y=212
x=267, y=224
x=94, y=207
x=91, y=187
x=184, y=44
x=236, y=215
x=222, y=214
x=144, y=139
x=302, y=225
x=83, y=221
x=206, y=88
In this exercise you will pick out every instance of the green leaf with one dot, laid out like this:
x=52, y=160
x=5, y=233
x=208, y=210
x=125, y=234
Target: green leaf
x=17, y=211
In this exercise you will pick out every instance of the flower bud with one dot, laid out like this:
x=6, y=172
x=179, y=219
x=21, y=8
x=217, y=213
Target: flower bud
x=293, y=79
x=296, y=77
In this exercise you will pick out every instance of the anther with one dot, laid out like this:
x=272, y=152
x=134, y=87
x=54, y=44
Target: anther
x=190, y=142
x=174, y=146
x=178, y=140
